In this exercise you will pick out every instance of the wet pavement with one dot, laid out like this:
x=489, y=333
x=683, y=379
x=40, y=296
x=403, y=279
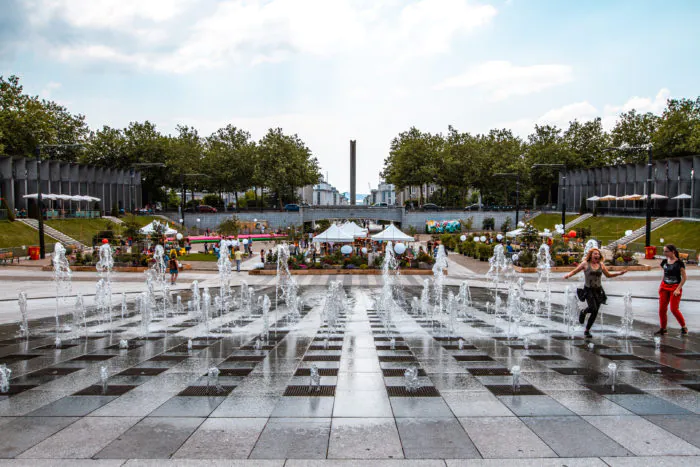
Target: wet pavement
x=160, y=408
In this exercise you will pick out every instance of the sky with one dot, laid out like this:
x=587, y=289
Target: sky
x=336, y=70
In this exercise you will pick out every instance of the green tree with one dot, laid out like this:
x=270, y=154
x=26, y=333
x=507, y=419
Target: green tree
x=678, y=131
x=229, y=160
x=633, y=129
x=230, y=227
x=284, y=164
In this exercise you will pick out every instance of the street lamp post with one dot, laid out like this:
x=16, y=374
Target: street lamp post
x=517, y=193
x=562, y=172
x=648, y=148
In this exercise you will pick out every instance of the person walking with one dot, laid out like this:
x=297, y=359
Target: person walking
x=593, y=269
x=174, y=268
x=671, y=289
x=239, y=257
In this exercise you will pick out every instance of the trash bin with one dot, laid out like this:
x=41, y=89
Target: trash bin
x=649, y=252
x=34, y=252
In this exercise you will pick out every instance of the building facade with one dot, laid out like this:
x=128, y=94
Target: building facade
x=325, y=194
x=114, y=187
x=384, y=193
x=414, y=192
x=670, y=178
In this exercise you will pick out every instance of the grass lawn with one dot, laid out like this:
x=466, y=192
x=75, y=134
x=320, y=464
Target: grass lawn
x=80, y=229
x=606, y=229
x=548, y=221
x=16, y=234
x=684, y=234
x=198, y=257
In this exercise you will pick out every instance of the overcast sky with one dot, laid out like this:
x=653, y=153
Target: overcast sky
x=335, y=70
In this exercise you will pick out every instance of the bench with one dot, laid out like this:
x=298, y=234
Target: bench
x=8, y=257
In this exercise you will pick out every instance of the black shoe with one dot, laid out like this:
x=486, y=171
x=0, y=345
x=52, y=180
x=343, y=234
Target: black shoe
x=684, y=331
x=588, y=334
x=582, y=316
x=661, y=332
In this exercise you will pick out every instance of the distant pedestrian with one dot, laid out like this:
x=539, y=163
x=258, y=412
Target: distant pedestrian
x=239, y=257
x=262, y=255
x=671, y=289
x=174, y=268
x=188, y=246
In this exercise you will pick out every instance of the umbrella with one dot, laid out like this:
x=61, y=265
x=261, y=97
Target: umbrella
x=333, y=234
x=391, y=233
x=608, y=198
x=657, y=196
x=593, y=198
x=681, y=196
x=634, y=197
x=151, y=228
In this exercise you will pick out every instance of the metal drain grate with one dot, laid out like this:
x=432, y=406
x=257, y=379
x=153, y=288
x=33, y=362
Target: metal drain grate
x=146, y=371
x=423, y=391
x=322, y=358
x=54, y=371
x=53, y=347
x=252, y=347
x=234, y=371
x=305, y=391
x=626, y=357
x=92, y=358
x=388, y=347
x=167, y=358
x=395, y=372
x=397, y=358
x=693, y=386
x=17, y=358
x=97, y=390
x=456, y=347
x=331, y=339
x=245, y=358
x=547, y=357
x=330, y=347
x=606, y=389
x=577, y=371
x=321, y=372
x=150, y=338
x=207, y=391
x=472, y=358
x=183, y=348
x=118, y=347
x=522, y=347
x=662, y=370
x=567, y=338
x=489, y=371
x=17, y=389
x=689, y=355
x=507, y=390
x=387, y=339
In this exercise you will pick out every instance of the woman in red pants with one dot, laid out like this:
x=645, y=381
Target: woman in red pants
x=671, y=289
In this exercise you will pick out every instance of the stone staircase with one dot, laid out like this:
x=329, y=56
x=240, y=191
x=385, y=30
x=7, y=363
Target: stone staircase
x=578, y=220
x=640, y=232
x=113, y=219
x=53, y=233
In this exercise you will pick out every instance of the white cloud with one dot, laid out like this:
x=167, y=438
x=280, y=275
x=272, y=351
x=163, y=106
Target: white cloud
x=254, y=31
x=583, y=111
x=502, y=79
x=48, y=89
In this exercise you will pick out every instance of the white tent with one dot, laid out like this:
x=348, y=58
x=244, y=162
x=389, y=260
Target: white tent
x=514, y=233
x=151, y=228
x=391, y=233
x=353, y=229
x=333, y=234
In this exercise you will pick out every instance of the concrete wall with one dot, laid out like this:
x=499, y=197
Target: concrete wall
x=417, y=219
x=275, y=220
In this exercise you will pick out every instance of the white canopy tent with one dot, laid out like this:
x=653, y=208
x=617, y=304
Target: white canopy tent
x=514, y=233
x=391, y=233
x=333, y=234
x=151, y=228
x=353, y=229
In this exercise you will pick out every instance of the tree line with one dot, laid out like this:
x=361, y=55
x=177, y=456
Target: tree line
x=228, y=160
x=463, y=165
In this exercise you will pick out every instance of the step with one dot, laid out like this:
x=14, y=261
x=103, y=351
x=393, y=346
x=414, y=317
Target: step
x=638, y=233
x=116, y=220
x=53, y=233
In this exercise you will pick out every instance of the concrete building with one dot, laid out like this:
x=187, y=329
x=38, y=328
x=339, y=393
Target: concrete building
x=325, y=194
x=384, y=193
x=413, y=193
x=670, y=178
x=18, y=177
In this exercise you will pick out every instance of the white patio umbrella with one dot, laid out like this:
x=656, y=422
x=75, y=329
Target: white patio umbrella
x=593, y=198
x=634, y=197
x=151, y=228
x=333, y=234
x=657, y=196
x=681, y=196
x=391, y=233
x=608, y=198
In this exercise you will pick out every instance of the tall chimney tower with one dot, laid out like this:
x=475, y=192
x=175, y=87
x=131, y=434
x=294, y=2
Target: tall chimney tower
x=353, y=175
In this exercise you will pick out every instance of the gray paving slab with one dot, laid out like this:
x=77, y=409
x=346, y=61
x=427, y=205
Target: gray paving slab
x=504, y=438
x=587, y=403
x=680, y=461
x=203, y=463
x=558, y=462
x=223, y=438
x=365, y=463
x=574, y=437
x=475, y=404
x=435, y=438
x=293, y=438
x=187, y=406
x=642, y=437
x=415, y=407
x=303, y=407
x=374, y=404
x=82, y=439
x=646, y=404
x=246, y=407
x=61, y=463
x=685, y=427
x=364, y=438
x=534, y=406
x=152, y=438
x=72, y=406
x=23, y=433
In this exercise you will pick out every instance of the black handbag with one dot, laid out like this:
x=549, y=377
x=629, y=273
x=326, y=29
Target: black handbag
x=582, y=294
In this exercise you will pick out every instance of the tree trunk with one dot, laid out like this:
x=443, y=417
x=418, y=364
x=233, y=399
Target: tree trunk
x=235, y=195
x=279, y=200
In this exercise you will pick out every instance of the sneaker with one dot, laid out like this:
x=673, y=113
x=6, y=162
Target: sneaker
x=684, y=331
x=588, y=334
x=661, y=332
x=582, y=316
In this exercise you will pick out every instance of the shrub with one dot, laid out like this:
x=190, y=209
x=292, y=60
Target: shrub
x=467, y=223
x=505, y=226
x=489, y=223
x=213, y=200
x=363, y=266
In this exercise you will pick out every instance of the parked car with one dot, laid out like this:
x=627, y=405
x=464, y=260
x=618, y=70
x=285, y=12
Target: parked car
x=291, y=207
x=305, y=205
x=379, y=205
x=205, y=208
x=474, y=207
x=431, y=207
